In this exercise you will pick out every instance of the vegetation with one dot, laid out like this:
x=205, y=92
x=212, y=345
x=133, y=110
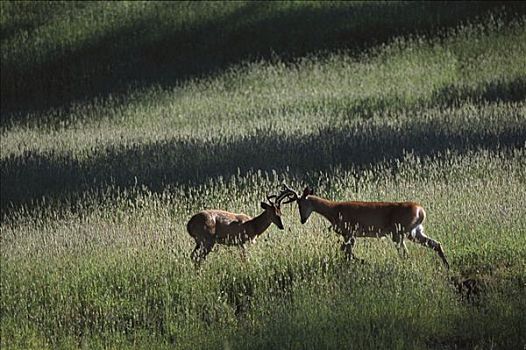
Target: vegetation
x=121, y=120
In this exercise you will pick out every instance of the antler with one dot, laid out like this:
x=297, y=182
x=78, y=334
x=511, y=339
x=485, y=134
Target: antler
x=286, y=193
x=270, y=197
x=289, y=193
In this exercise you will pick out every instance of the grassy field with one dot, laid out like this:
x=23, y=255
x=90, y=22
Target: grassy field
x=121, y=120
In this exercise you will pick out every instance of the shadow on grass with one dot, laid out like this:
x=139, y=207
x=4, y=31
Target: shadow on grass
x=127, y=58
x=26, y=16
x=512, y=91
x=321, y=322
x=28, y=177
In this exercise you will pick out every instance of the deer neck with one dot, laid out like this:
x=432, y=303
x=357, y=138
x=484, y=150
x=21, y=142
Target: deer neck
x=258, y=224
x=324, y=207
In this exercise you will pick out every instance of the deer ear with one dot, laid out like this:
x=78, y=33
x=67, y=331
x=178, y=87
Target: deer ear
x=264, y=205
x=307, y=191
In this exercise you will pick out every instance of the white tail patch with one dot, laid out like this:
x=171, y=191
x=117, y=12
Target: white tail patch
x=418, y=231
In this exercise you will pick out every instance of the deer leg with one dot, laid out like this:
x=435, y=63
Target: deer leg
x=398, y=238
x=196, y=255
x=243, y=251
x=418, y=235
x=347, y=246
x=201, y=250
x=207, y=248
x=196, y=252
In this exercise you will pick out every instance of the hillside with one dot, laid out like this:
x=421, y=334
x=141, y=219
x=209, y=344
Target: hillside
x=121, y=120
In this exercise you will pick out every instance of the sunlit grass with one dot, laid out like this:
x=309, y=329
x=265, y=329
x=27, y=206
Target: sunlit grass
x=126, y=267
x=96, y=193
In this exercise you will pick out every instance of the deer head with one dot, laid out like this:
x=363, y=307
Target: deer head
x=273, y=210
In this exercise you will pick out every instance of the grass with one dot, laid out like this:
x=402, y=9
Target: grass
x=49, y=50
x=425, y=103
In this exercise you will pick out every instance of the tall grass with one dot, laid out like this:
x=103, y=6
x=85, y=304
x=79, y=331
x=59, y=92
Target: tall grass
x=49, y=50
x=124, y=269
x=97, y=184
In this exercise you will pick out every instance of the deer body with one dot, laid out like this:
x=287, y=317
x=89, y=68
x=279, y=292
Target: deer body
x=368, y=219
x=211, y=227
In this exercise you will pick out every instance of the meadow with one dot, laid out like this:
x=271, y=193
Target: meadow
x=121, y=120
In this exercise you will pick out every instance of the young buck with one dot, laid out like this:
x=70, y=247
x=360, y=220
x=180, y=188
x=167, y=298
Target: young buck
x=209, y=227
x=367, y=219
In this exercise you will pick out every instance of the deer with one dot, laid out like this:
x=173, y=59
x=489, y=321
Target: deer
x=211, y=227
x=353, y=219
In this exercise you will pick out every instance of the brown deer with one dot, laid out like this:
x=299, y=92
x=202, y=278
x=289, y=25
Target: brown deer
x=367, y=219
x=210, y=227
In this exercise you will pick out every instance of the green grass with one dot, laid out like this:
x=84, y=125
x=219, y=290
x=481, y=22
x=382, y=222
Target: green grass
x=102, y=165
x=59, y=52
